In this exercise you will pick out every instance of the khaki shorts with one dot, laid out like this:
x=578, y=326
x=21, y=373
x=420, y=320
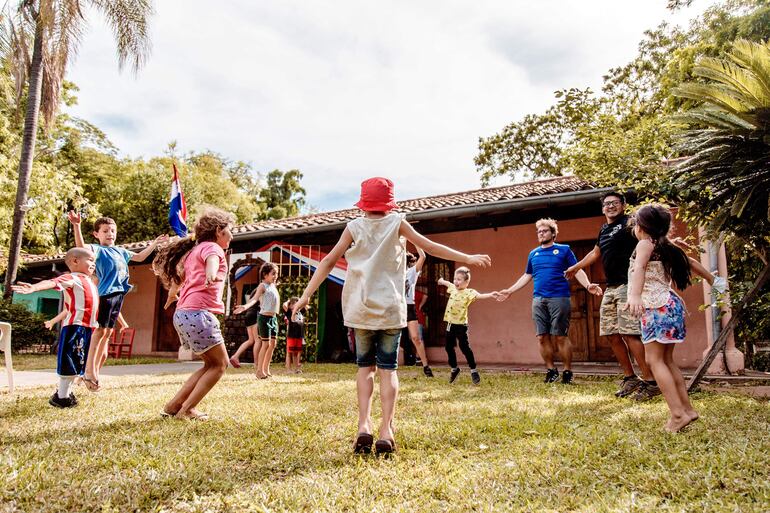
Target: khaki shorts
x=613, y=319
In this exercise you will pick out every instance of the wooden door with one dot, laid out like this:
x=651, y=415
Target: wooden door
x=166, y=338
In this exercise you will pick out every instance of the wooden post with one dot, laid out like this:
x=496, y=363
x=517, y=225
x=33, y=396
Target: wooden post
x=720, y=342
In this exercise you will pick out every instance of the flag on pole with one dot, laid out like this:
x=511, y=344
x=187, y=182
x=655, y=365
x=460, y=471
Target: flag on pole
x=177, y=210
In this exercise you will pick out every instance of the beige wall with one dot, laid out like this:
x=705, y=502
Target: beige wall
x=140, y=308
x=503, y=332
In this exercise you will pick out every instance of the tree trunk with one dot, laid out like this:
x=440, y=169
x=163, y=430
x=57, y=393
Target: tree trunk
x=25, y=161
x=720, y=342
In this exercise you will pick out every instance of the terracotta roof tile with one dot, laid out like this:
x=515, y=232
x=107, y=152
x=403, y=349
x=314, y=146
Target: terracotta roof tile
x=474, y=197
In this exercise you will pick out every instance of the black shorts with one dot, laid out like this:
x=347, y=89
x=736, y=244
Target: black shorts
x=411, y=313
x=250, y=316
x=109, y=308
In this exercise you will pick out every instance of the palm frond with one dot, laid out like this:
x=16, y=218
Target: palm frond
x=754, y=56
x=129, y=20
x=717, y=94
x=741, y=83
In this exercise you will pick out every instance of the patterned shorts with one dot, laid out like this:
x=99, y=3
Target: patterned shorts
x=664, y=324
x=198, y=330
x=613, y=319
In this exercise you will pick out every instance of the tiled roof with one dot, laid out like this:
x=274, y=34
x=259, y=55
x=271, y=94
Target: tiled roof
x=459, y=199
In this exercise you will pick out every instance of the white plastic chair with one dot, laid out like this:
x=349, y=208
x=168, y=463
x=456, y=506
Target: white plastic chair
x=5, y=345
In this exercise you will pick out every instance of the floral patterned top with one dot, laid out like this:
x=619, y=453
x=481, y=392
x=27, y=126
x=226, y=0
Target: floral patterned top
x=657, y=284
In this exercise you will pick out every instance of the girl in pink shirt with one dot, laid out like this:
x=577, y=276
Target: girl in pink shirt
x=200, y=297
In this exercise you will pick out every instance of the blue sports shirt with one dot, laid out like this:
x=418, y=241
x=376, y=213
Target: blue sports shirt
x=547, y=266
x=112, y=268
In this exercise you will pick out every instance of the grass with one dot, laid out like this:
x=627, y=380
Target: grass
x=512, y=444
x=24, y=362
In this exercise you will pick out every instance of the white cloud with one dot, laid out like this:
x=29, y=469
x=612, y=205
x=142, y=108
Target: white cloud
x=349, y=89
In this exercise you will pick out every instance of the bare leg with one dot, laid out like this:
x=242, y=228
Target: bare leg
x=288, y=360
x=214, y=366
x=546, y=350
x=268, y=356
x=365, y=391
x=681, y=387
x=388, y=398
x=234, y=359
x=620, y=350
x=414, y=335
x=260, y=346
x=99, y=345
x=565, y=350
x=656, y=359
x=637, y=349
x=105, y=348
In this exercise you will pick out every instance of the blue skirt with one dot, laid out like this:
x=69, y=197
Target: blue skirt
x=664, y=324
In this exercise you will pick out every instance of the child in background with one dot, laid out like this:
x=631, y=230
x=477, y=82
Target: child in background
x=655, y=263
x=112, y=272
x=373, y=301
x=295, y=336
x=79, y=317
x=267, y=321
x=414, y=268
x=250, y=320
x=456, y=317
x=200, y=298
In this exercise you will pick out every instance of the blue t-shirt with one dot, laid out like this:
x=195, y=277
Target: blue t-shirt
x=547, y=266
x=112, y=268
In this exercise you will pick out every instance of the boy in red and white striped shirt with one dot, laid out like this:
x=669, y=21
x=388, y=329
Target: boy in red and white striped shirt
x=78, y=318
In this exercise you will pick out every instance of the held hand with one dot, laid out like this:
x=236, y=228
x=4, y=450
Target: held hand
x=74, y=217
x=571, y=272
x=595, y=289
x=502, y=295
x=22, y=288
x=159, y=239
x=299, y=305
x=479, y=260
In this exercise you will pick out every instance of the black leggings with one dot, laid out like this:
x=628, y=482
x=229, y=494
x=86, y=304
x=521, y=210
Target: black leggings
x=459, y=332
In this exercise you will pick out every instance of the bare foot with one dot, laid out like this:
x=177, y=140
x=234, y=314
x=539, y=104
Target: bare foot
x=235, y=362
x=676, y=424
x=261, y=376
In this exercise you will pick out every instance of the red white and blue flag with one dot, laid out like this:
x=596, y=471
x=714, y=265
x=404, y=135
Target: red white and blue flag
x=177, y=210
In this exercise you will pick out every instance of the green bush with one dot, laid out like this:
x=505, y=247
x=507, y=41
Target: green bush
x=761, y=362
x=28, y=329
x=293, y=286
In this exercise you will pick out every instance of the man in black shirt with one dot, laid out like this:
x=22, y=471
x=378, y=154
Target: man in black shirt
x=615, y=245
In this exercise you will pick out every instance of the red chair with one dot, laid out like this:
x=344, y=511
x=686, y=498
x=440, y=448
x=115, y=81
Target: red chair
x=121, y=344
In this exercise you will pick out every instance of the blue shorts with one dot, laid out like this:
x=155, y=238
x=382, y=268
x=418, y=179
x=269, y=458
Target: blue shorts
x=73, y=350
x=109, y=309
x=551, y=315
x=377, y=347
x=198, y=330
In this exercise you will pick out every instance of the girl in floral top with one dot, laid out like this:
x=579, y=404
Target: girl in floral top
x=655, y=263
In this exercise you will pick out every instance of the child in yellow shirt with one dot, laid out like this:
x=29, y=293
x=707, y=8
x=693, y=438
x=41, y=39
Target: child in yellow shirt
x=456, y=317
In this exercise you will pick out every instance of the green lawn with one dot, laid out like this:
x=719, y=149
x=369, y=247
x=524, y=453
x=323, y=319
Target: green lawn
x=48, y=361
x=513, y=443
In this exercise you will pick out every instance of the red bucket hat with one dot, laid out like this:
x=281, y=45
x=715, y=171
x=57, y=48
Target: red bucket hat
x=376, y=195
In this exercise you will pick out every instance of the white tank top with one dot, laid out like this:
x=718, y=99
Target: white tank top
x=373, y=294
x=268, y=303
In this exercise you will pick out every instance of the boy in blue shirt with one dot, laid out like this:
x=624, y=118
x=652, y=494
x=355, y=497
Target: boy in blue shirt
x=112, y=272
x=551, y=297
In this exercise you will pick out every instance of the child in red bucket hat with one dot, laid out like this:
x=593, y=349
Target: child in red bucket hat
x=373, y=301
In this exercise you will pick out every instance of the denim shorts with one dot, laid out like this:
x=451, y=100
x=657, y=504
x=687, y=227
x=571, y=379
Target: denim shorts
x=198, y=330
x=377, y=347
x=551, y=315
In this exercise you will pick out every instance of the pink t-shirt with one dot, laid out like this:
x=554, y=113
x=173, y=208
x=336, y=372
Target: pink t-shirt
x=194, y=294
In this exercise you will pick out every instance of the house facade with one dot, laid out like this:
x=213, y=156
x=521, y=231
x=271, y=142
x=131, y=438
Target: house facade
x=498, y=221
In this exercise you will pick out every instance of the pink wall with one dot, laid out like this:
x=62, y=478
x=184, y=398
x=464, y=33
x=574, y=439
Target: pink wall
x=140, y=308
x=503, y=332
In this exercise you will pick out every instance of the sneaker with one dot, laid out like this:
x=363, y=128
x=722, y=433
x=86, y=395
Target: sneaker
x=629, y=385
x=551, y=376
x=566, y=377
x=58, y=402
x=646, y=392
x=475, y=377
x=426, y=370
x=453, y=375
x=73, y=399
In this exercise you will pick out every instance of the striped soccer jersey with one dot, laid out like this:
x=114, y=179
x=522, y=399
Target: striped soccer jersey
x=81, y=299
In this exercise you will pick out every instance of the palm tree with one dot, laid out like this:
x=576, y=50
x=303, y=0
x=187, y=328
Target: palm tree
x=725, y=182
x=55, y=27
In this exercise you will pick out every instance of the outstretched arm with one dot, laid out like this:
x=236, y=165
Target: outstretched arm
x=252, y=300
x=49, y=324
x=75, y=219
x=587, y=261
x=505, y=293
x=28, y=288
x=323, y=270
x=440, y=250
x=139, y=257
x=582, y=278
x=444, y=283
x=488, y=295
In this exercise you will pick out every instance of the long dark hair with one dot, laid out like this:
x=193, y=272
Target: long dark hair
x=166, y=262
x=655, y=221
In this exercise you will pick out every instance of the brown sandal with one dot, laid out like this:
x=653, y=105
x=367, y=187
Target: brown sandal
x=91, y=384
x=363, y=443
x=385, y=446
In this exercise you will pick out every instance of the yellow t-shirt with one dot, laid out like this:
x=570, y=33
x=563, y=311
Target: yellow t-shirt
x=457, y=306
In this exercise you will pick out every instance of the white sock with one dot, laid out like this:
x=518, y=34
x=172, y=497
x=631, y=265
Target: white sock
x=474, y=371
x=65, y=386
x=456, y=368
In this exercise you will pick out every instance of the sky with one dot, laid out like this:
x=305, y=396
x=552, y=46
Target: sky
x=348, y=89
